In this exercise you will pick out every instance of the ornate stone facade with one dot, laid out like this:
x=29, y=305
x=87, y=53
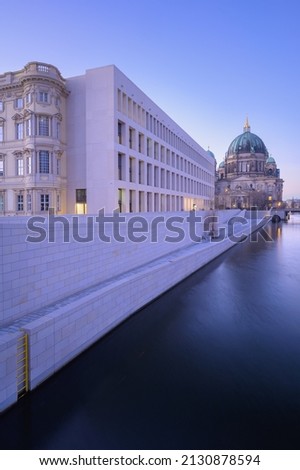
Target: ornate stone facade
x=32, y=140
x=248, y=176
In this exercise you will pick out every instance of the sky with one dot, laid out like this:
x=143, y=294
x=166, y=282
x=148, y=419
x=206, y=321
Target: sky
x=208, y=64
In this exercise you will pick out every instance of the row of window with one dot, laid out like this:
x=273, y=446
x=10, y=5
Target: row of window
x=140, y=201
x=42, y=97
x=138, y=141
x=24, y=203
x=35, y=125
x=145, y=173
x=137, y=113
x=245, y=166
x=45, y=164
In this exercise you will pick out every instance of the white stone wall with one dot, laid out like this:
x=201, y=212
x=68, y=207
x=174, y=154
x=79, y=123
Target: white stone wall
x=8, y=366
x=67, y=295
x=36, y=274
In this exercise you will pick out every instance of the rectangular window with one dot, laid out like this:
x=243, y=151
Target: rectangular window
x=43, y=97
x=29, y=202
x=28, y=98
x=1, y=202
x=121, y=132
x=149, y=174
x=28, y=165
x=81, y=196
x=19, y=130
x=1, y=132
x=28, y=127
x=1, y=167
x=19, y=103
x=121, y=166
x=156, y=156
x=20, y=202
x=156, y=172
x=20, y=167
x=141, y=172
x=58, y=166
x=131, y=138
x=148, y=147
x=58, y=202
x=42, y=68
x=44, y=202
x=141, y=143
x=131, y=169
x=43, y=125
x=80, y=201
x=44, y=161
x=58, y=133
x=1, y=106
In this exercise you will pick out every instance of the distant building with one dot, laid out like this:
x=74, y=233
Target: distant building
x=91, y=142
x=249, y=175
x=293, y=203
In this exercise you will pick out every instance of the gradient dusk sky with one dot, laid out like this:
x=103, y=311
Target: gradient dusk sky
x=207, y=63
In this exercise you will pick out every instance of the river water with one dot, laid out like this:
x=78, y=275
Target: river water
x=212, y=364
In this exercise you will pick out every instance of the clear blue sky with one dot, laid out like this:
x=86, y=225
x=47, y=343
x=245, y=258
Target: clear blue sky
x=206, y=63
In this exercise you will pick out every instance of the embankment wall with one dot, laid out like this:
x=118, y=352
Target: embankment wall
x=65, y=294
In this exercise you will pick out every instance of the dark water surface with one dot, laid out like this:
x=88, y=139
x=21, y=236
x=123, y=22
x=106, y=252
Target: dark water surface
x=212, y=364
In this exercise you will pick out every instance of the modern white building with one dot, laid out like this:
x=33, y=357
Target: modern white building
x=94, y=142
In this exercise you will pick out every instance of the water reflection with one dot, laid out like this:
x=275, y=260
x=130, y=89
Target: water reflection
x=214, y=363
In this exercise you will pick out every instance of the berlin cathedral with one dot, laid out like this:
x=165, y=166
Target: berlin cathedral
x=248, y=176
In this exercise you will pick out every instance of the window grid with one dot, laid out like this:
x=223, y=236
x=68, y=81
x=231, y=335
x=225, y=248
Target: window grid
x=19, y=130
x=44, y=202
x=43, y=126
x=20, y=167
x=20, y=202
x=44, y=161
x=43, y=97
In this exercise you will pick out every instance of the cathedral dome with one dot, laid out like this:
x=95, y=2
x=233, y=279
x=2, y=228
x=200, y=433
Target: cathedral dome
x=247, y=142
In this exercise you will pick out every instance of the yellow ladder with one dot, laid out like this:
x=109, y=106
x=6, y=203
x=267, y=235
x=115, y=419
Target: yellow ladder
x=22, y=365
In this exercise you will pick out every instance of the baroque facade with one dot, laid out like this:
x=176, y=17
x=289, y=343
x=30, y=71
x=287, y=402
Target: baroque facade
x=94, y=142
x=248, y=176
x=32, y=140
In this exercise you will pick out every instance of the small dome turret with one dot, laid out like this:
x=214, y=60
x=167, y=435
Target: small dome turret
x=270, y=160
x=210, y=153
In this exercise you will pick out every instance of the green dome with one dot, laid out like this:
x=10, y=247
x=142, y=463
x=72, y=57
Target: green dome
x=222, y=164
x=271, y=160
x=210, y=153
x=247, y=143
